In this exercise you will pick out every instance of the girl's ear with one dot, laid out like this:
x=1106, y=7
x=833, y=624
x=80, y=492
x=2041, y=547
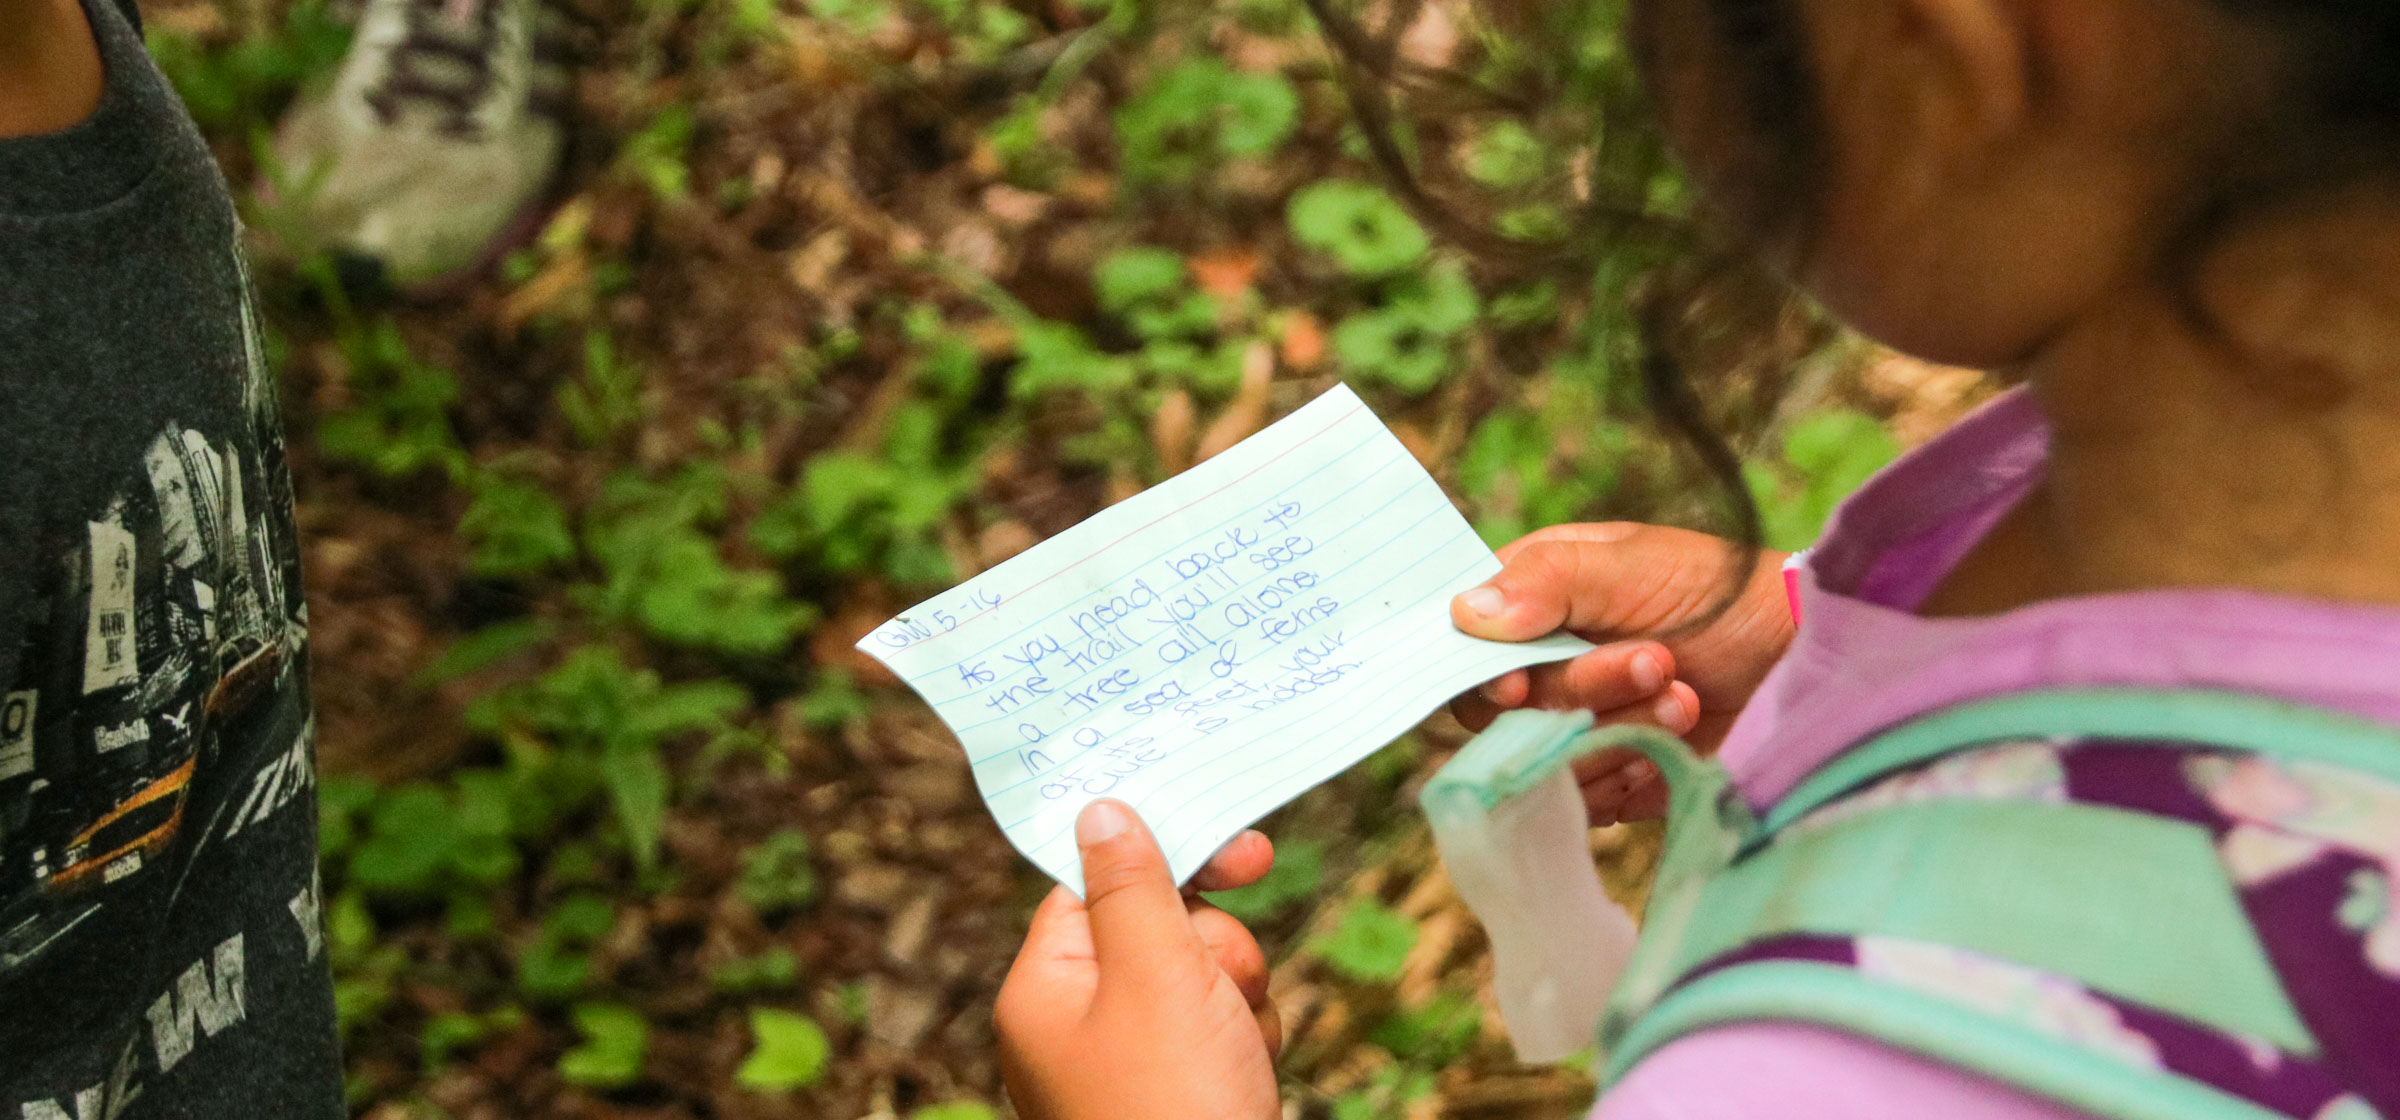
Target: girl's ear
x=1975, y=60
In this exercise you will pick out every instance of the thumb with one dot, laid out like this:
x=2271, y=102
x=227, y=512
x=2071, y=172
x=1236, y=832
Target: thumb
x=1642, y=583
x=1139, y=925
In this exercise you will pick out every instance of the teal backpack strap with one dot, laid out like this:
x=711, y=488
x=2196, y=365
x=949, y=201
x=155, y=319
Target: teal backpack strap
x=1707, y=824
x=2123, y=903
x=2130, y=905
x=2178, y=718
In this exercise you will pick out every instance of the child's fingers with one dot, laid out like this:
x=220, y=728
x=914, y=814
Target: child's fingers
x=1476, y=708
x=1620, y=785
x=1647, y=800
x=1603, y=680
x=1608, y=799
x=1610, y=677
x=1635, y=793
x=1139, y=932
x=1236, y=952
x=1061, y=930
x=1674, y=710
x=1243, y=860
x=1473, y=712
x=1592, y=768
x=1051, y=982
x=1508, y=690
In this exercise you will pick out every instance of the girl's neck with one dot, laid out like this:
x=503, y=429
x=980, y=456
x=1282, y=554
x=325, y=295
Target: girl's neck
x=50, y=71
x=2242, y=430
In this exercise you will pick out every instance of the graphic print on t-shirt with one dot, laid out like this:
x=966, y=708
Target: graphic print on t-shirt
x=158, y=917
x=169, y=620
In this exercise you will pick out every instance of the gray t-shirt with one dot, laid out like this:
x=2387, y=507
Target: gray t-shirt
x=160, y=948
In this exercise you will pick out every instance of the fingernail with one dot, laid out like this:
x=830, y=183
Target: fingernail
x=1641, y=774
x=1484, y=601
x=1670, y=711
x=1491, y=690
x=1648, y=675
x=1102, y=821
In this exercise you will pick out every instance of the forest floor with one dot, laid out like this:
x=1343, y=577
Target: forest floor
x=797, y=277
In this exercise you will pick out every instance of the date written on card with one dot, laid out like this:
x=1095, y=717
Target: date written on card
x=1214, y=647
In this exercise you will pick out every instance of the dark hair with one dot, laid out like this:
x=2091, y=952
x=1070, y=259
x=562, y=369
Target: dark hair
x=2335, y=125
x=1717, y=332
x=1709, y=320
x=2345, y=77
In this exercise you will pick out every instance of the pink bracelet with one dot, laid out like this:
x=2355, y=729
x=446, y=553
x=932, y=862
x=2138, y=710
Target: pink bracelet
x=1791, y=581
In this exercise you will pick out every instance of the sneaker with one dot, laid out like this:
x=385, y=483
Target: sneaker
x=432, y=150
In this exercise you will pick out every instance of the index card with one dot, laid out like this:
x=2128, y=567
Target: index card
x=1211, y=648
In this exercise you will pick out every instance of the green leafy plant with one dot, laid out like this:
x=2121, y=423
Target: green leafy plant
x=1533, y=305
x=851, y=511
x=1150, y=289
x=1507, y=155
x=1434, y=1035
x=616, y=1040
x=1200, y=113
x=341, y=800
x=775, y=969
x=834, y=700
x=514, y=528
x=1387, y=1095
x=1523, y=474
x=450, y=1032
x=227, y=85
x=789, y=1051
x=852, y=999
x=420, y=839
x=1058, y=356
x=986, y=28
x=1017, y=138
x=398, y=419
x=558, y=963
x=857, y=17
x=1370, y=943
x=955, y=1110
x=777, y=875
x=485, y=648
x=1130, y=278
x=364, y=972
x=1408, y=342
x=607, y=400
x=659, y=154
x=662, y=569
x=1825, y=457
x=1360, y=226
x=859, y=511
x=754, y=20
x=606, y=722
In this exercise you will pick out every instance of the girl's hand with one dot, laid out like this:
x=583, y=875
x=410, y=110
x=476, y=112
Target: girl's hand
x=1603, y=583
x=1137, y=1002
